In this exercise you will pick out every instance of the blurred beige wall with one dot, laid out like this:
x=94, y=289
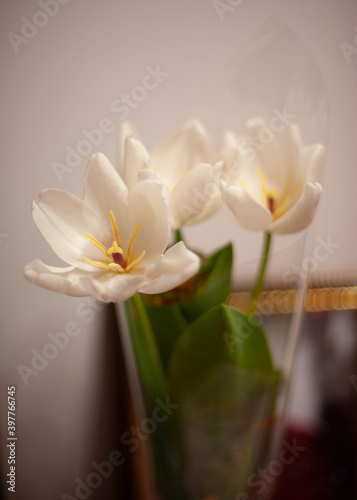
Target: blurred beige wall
x=68, y=74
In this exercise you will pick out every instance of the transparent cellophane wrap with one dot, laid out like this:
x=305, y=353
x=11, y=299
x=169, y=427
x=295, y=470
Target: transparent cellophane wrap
x=231, y=424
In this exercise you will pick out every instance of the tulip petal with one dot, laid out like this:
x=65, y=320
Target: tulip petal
x=112, y=287
x=301, y=213
x=149, y=207
x=267, y=151
x=125, y=130
x=104, y=189
x=135, y=158
x=232, y=156
x=63, y=219
x=147, y=174
x=176, y=266
x=249, y=212
x=180, y=153
x=229, y=147
x=196, y=196
x=291, y=147
x=64, y=280
x=314, y=156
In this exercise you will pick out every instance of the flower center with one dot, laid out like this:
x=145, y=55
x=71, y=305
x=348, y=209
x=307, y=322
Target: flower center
x=271, y=204
x=278, y=205
x=114, y=256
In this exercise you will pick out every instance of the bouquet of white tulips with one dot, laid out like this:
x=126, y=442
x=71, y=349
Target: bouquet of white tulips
x=124, y=243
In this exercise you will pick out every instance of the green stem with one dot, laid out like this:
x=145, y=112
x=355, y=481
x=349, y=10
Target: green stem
x=154, y=384
x=178, y=236
x=259, y=283
x=147, y=357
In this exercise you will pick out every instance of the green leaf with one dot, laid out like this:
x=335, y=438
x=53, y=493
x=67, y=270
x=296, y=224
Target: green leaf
x=221, y=374
x=216, y=285
x=221, y=337
x=169, y=315
x=168, y=323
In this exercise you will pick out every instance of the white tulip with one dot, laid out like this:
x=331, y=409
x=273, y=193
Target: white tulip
x=186, y=167
x=274, y=187
x=114, y=240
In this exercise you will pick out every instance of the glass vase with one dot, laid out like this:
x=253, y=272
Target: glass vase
x=209, y=441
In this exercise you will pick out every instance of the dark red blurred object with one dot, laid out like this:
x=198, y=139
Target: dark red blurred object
x=325, y=469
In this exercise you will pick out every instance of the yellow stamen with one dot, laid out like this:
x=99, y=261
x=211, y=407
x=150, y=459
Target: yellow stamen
x=282, y=208
x=245, y=186
x=131, y=243
x=262, y=180
x=278, y=205
x=267, y=193
x=96, y=263
x=115, y=228
x=116, y=267
x=285, y=190
x=96, y=243
x=113, y=261
x=136, y=261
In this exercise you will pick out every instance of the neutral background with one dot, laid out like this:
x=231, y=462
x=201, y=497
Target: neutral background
x=64, y=79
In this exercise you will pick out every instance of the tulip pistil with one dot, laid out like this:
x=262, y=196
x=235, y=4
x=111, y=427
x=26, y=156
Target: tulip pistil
x=114, y=259
x=271, y=204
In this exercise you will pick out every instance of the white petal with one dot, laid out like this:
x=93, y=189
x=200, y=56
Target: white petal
x=301, y=214
x=63, y=219
x=64, y=280
x=229, y=147
x=232, y=156
x=112, y=287
x=267, y=151
x=176, y=266
x=291, y=148
x=180, y=153
x=196, y=196
x=314, y=156
x=103, y=186
x=135, y=158
x=125, y=130
x=149, y=207
x=147, y=174
x=249, y=213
